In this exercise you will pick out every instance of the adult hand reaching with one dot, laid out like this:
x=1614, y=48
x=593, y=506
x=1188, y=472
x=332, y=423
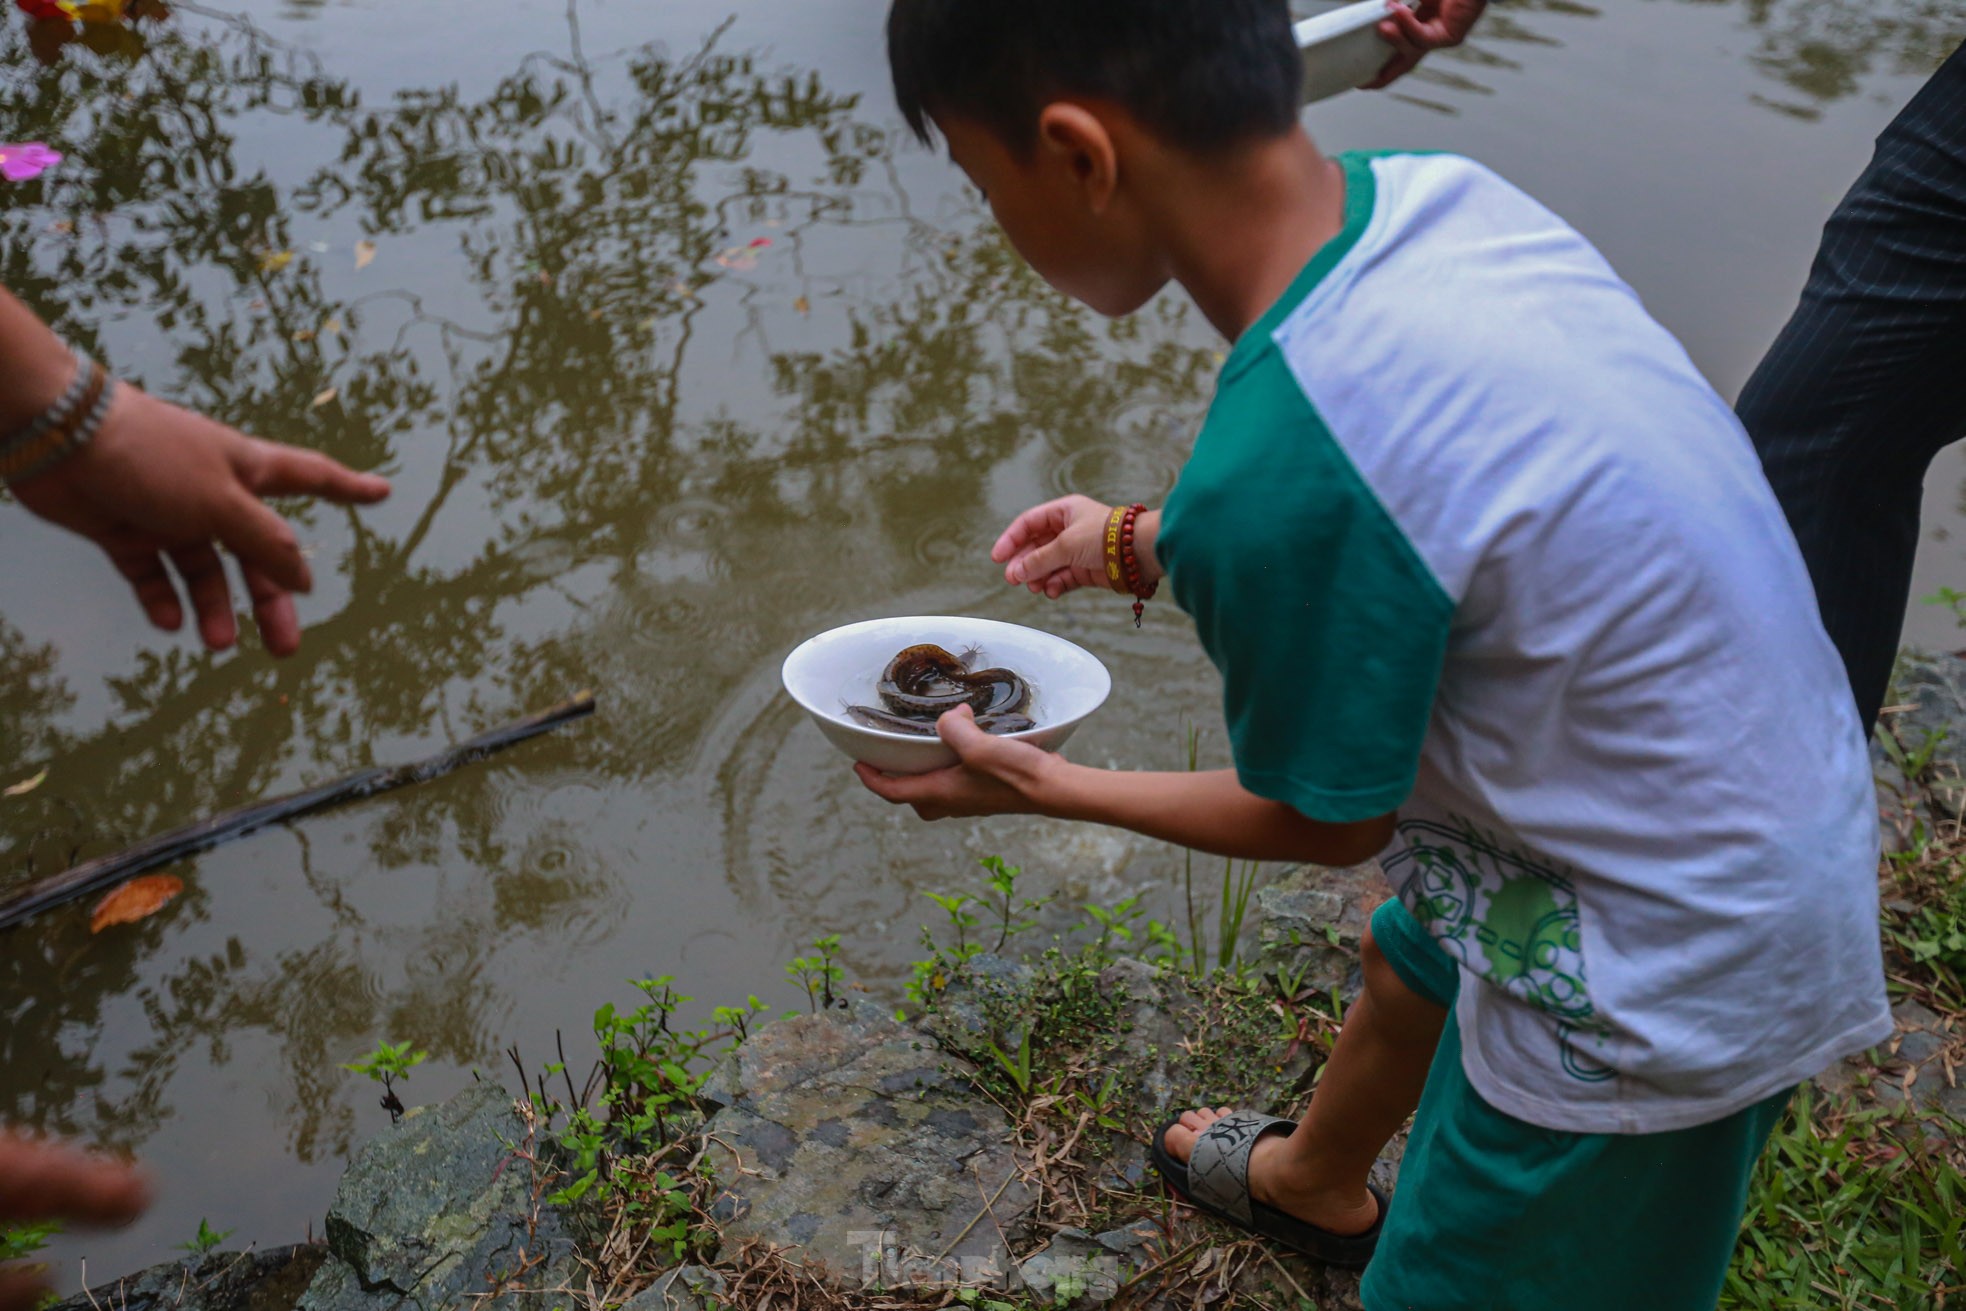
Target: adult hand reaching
x=162, y=483
x=1427, y=25
x=43, y=1181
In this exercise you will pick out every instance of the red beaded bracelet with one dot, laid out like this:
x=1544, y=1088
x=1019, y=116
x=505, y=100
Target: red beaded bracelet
x=1130, y=562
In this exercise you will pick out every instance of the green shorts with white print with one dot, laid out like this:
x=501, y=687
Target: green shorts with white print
x=1495, y=1214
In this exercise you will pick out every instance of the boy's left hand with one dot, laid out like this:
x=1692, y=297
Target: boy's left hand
x=996, y=776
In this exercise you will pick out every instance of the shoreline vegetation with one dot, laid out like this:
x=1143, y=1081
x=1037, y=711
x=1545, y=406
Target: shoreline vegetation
x=983, y=1143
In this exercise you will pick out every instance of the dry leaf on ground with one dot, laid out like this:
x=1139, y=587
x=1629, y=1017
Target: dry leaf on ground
x=135, y=900
x=25, y=786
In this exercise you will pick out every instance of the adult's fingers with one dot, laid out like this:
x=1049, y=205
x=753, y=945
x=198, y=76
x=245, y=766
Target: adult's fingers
x=1406, y=51
x=273, y=469
x=22, y=1287
x=273, y=612
x=40, y=1181
x=144, y=568
x=262, y=539
x=210, y=593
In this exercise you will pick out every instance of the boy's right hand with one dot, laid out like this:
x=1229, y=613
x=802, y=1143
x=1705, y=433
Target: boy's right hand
x=1058, y=547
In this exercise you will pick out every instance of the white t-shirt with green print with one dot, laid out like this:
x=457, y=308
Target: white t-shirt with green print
x=1469, y=537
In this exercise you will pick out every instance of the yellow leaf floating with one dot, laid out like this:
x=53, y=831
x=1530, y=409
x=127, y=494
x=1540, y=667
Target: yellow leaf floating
x=135, y=900
x=25, y=786
x=275, y=260
x=331, y=328
x=323, y=397
x=802, y=305
x=364, y=252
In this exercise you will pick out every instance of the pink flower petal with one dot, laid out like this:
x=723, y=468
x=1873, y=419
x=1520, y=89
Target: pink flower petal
x=20, y=161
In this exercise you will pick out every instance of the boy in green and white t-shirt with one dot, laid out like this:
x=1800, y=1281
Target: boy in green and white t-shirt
x=1491, y=575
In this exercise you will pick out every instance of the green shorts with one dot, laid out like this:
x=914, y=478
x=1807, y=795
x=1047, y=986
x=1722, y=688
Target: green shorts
x=1495, y=1214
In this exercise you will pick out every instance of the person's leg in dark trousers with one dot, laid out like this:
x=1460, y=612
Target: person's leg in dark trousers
x=1868, y=380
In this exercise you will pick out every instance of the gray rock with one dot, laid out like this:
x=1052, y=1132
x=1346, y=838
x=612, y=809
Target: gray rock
x=686, y=1288
x=1933, y=688
x=215, y=1281
x=1310, y=921
x=437, y=1212
x=860, y=1142
x=1085, y=1268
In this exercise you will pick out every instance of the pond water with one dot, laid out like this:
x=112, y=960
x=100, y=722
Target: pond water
x=677, y=353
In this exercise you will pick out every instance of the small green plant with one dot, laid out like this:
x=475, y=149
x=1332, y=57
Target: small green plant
x=385, y=1065
x=1237, y=885
x=205, y=1239
x=1005, y=903
x=817, y=973
x=647, y=1078
x=1017, y=1067
x=1952, y=600
x=1103, y=1102
x=739, y=1017
x=24, y=1240
x=1916, y=762
x=1115, y=923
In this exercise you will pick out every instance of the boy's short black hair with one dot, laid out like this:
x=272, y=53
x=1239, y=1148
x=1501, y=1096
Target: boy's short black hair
x=1202, y=74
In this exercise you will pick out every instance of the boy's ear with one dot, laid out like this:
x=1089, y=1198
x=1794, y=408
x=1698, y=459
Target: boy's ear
x=1076, y=137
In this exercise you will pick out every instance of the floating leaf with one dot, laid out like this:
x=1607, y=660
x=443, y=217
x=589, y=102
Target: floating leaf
x=331, y=328
x=275, y=260
x=62, y=227
x=364, y=252
x=802, y=305
x=323, y=397
x=318, y=247
x=758, y=243
x=25, y=786
x=135, y=900
x=303, y=334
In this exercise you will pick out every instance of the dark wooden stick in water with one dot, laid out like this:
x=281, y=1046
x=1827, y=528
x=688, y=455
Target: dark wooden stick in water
x=108, y=871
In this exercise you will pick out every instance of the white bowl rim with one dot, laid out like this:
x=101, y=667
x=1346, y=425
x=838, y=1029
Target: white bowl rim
x=890, y=736
x=1335, y=23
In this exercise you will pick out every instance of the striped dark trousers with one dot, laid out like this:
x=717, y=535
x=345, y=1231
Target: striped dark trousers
x=1868, y=380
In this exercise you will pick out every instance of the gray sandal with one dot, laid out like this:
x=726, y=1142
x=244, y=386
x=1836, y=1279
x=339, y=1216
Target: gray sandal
x=1216, y=1180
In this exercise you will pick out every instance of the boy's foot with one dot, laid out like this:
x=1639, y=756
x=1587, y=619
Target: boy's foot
x=1274, y=1184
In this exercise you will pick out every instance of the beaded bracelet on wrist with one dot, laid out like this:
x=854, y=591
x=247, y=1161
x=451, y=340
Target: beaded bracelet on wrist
x=66, y=426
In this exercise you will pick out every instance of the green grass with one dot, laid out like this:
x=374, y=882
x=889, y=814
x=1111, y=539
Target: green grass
x=1851, y=1210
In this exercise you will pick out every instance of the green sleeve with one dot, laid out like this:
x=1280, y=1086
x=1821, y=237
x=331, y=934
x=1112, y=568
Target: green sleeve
x=1328, y=628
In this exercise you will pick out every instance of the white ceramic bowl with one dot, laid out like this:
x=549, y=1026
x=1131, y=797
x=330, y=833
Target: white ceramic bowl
x=840, y=667
x=1342, y=48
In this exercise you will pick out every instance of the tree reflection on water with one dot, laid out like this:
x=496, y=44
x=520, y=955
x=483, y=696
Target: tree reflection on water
x=599, y=502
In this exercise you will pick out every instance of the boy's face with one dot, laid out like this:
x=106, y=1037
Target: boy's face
x=1063, y=207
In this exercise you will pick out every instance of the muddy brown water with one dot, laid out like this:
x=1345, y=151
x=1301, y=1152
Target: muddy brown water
x=677, y=354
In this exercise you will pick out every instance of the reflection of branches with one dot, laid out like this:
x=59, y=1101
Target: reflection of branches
x=1820, y=50
x=588, y=224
